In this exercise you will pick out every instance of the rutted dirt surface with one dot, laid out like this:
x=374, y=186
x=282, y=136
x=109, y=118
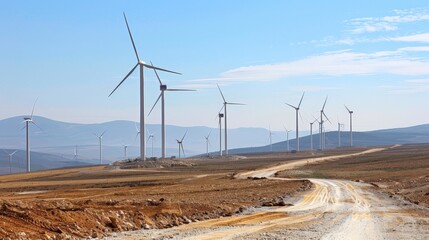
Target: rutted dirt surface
x=95, y=201
x=333, y=209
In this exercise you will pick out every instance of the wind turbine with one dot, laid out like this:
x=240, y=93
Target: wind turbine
x=163, y=88
x=287, y=138
x=322, y=113
x=297, y=113
x=339, y=131
x=271, y=139
x=226, y=122
x=10, y=159
x=311, y=133
x=100, y=142
x=27, y=121
x=125, y=151
x=180, y=142
x=207, y=142
x=142, y=65
x=150, y=137
x=75, y=153
x=220, y=116
x=351, y=126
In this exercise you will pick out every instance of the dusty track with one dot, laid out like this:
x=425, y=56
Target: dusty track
x=333, y=209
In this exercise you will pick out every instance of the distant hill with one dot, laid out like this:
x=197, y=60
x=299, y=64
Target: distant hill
x=408, y=135
x=39, y=161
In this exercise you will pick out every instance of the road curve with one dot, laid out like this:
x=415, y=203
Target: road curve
x=332, y=209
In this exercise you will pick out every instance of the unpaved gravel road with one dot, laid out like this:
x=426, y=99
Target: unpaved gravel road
x=333, y=209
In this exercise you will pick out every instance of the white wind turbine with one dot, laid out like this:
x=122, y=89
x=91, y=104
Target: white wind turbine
x=220, y=116
x=311, y=132
x=225, y=103
x=180, y=142
x=100, y=143
x=150, y=137
x=125, y=151
x=321, y=130
x=351, y=125
x=297, y=121
x=142, y=112
x=163, y=88
x=287, y=137
x=271, y=139
x=75, y=153
x=10, y=159
x=207, y=142
x=27, y=121
x=340, y=125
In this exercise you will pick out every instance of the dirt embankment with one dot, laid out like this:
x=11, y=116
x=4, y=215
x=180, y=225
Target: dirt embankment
x=93, y=202
x=401, y=172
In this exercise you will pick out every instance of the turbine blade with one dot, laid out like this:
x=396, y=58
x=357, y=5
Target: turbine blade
x=223, y=97
x=221, y=108
x=157, y=100
x=138, y=133
x=37, y=126
x=137, y=128
x=103, y=133
x=326, y=99
x=347, y=108
x=208, y=136
x=235, y=103
x=184, y=136
x=14, y=152
x=34, y=105
x=302, y=120
x=181, y=90
x=183, y=150
x=160, y=69
x=131, y=37
x=327, y=118
x=156, y=73
x=132, y=70
x=291, y=106
x=301, y=99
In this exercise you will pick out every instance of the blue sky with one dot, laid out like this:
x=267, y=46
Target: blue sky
x=369, y=55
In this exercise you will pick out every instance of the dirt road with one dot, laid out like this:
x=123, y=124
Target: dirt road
x=333, y=209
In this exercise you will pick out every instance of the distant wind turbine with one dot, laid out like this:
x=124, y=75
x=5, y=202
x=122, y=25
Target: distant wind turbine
x=351, y=126
x=322, y=113
x=125, y=151
x=150, y=137
x=27, y=121
x=271, y=139
x=340, y=125
x=225, y=103
x=207, y=142
x=10, y=159
x=311, y=132
x=287, y=137
x=297, y=113
x=100, y=142
x=164, y=88
x=142, y=112
x=220, y=116
x=75, y=153
x=180, y=142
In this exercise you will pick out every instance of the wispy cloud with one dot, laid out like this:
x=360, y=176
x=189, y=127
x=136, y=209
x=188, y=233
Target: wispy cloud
x=422, y=38
x=330, y=64
x=408, y=87
x=387, y=23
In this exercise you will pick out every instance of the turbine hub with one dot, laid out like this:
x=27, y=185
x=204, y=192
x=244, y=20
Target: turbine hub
x=141, y=62
x=163, y=87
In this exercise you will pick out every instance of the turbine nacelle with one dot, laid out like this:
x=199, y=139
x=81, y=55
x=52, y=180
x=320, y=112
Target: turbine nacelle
x=163, y=87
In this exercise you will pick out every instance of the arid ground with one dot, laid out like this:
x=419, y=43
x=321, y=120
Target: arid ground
x=249, y=197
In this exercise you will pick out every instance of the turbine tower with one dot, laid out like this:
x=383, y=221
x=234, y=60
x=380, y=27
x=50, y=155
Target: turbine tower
x=207, y=142
x=75, y=153
x=287, y=137
x=142, y=65
x=100, y=143
x=150, y=137
x=125, y=151
x=297, y=113
x=322, y=113
x=225, y=103
x=311, y=132
x=339, y=132
x=10, y=159
x=351, y=126
x=220, y=116
x=163, y=88
x=27, y=121
x=271, y=139
x=180, y=142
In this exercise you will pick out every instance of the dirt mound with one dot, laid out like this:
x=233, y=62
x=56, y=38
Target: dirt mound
x=154, y=163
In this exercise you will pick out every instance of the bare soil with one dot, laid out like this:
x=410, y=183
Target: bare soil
x=401, y=172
